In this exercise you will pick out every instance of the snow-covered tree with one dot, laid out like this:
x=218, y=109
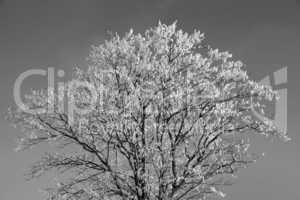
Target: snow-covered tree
x=171, y=120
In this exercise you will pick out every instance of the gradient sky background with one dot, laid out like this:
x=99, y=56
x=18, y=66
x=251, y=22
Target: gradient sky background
x=264, y=34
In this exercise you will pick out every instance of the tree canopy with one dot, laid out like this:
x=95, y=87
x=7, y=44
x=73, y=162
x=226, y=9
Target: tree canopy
x=171, y=120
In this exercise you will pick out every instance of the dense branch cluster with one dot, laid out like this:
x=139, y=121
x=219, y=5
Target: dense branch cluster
x=171, y=122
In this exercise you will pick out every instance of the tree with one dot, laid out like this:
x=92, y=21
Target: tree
x=171, y=120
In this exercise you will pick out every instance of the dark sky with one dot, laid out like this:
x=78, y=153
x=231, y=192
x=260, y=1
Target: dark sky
x=264, y=34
